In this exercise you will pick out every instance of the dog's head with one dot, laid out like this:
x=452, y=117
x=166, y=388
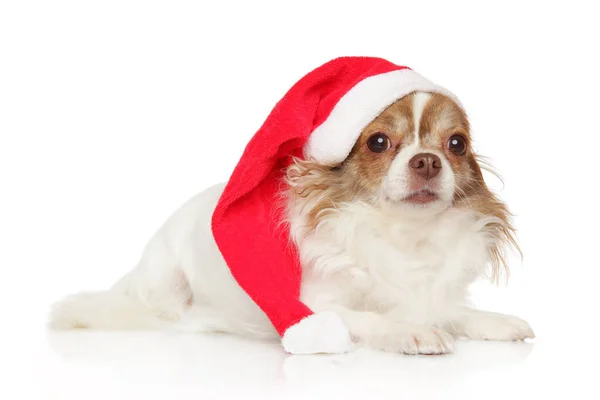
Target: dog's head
x=414, y=160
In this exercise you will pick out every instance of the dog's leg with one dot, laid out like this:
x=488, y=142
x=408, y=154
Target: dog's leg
x=380, y=332
x=485, y=325
x=152, y=293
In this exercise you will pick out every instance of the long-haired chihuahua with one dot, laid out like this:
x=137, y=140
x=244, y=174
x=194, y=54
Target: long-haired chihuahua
x=389, y=239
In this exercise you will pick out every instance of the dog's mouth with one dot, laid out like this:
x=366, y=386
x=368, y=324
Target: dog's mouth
x=422, y=196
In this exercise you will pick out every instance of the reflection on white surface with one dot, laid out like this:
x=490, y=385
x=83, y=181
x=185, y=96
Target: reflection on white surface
x=153, y=365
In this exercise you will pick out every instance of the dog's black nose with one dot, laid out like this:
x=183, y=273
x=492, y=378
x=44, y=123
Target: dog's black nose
x=426, y=165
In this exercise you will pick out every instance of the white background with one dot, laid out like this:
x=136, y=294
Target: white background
x=113, y=113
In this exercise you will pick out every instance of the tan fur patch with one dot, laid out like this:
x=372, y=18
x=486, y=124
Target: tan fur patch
x=440, y=118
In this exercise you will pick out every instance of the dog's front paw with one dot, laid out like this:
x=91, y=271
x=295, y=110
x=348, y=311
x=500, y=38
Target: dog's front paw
x=415, y=341
x=498, y=327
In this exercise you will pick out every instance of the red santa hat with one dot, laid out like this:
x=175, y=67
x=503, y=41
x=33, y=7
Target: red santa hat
x=320, y=118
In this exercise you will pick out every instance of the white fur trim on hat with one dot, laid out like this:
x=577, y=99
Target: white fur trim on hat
x=323, y=332
x=332, y=141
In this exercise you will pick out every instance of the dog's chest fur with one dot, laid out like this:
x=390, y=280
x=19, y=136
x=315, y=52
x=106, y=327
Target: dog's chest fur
x=369, y=260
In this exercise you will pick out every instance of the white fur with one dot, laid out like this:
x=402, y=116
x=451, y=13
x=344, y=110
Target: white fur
x=482, y=325
x=392, y=279
x=419, y=101
x=183, y=247
x=332, y=141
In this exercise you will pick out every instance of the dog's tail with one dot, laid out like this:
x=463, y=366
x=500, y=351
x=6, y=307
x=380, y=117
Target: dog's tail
x=107, y=310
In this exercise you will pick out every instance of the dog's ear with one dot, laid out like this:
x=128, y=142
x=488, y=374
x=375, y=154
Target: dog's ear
x=316, y=187
x=475, y=195
x=306, y=177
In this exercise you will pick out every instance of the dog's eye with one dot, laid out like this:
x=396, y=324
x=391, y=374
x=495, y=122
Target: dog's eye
x=378, y=143
x=457, y=144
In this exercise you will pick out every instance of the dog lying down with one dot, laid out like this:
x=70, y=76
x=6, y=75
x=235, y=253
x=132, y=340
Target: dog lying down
x=357, y=216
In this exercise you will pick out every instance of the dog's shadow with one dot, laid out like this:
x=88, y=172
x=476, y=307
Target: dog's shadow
x=219, y=360
x=469, y=359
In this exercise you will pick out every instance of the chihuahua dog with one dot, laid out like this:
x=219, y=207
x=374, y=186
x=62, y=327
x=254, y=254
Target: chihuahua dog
x=390, y=239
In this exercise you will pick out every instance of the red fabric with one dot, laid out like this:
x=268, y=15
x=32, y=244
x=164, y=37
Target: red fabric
x=245, y=223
